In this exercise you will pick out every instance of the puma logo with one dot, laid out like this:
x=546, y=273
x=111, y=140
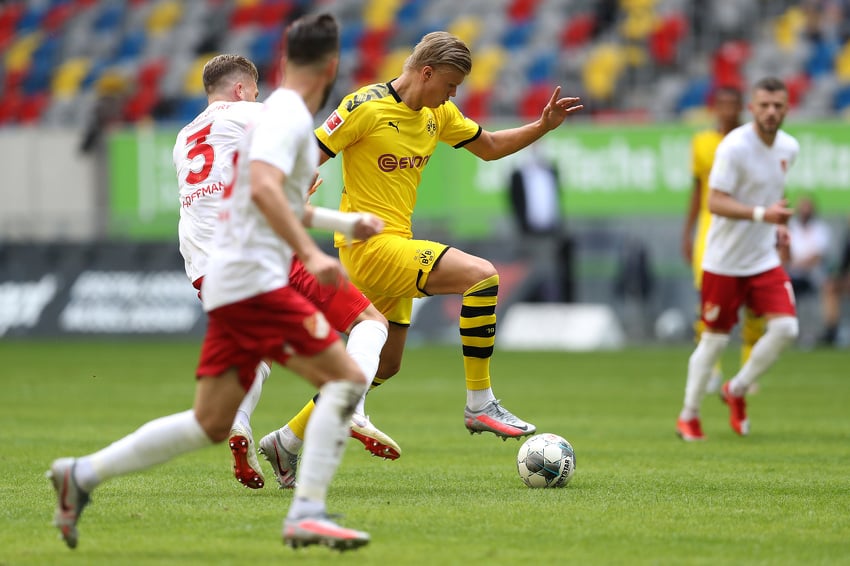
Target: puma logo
x=394, y=125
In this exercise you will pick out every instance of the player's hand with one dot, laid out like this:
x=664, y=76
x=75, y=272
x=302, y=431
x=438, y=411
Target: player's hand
x=367, y=226
x=326, y=270
x=778, y=212
x=557, y=109
x=317, y=182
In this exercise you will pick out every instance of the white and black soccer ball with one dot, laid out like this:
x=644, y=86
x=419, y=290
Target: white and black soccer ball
x=546, y=460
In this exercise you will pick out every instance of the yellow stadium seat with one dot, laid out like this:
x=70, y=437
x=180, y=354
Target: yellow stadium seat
x=380, y=14
x=787, y=28
x=639, y=23
x=193, y=84
x=487, y=63
x=391, y=64
x=68, y=76
x=112, y=82
x=842, y=64
x=19, y=55
x=163, y=17
x=602, y=70
x=242, y=3
x=466, y=28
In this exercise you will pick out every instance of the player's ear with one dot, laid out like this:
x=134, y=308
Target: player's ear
x=427, y=72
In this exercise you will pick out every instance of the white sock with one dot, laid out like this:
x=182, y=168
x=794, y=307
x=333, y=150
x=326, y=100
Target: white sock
x=700, y=366
x=780, y=332
x=156, y=442
x=365, y=342
x=326, y=434
x=249, y=402
x=475, y=400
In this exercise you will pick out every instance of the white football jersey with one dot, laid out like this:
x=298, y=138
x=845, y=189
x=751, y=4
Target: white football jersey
x=203, y=158
x=249, y=257
x=754, y=174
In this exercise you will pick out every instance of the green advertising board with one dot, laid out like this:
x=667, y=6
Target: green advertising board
x=604, y=170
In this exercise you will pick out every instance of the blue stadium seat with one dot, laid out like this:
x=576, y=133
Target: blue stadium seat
x=109, y=18
x=189, y=108
x=695, y=94
x=542, y=67
x=131, y=46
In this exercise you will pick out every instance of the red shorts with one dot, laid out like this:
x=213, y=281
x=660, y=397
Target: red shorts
x=273, y=325
x=340, y=305
x=765, y=293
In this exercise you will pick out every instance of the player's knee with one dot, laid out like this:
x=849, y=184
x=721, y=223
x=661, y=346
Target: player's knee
x=785, y=328
x=217, y=429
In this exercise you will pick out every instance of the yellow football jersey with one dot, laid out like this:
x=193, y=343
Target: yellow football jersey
x=702, y=156
x=385, y=146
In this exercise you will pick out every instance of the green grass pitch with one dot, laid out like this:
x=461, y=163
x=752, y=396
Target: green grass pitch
x=639, y=495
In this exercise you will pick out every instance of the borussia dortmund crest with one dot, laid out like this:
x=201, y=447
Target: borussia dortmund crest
x=431, y=127
x=425, y=257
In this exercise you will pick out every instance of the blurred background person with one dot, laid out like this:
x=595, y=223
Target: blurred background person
x=835, y=287
x=536, y=203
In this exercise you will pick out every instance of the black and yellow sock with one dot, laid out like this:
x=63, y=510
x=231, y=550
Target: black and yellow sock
x=478, y=331
x=298, y=423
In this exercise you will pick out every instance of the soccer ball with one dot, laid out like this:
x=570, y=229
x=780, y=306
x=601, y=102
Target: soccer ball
x=546, y=460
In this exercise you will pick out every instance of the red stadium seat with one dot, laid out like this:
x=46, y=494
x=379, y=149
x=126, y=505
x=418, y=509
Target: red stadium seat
x=534, y=99
x=10, y=104
x=151, y=72
x=665, y=40
x=32, y=107
x=521, y=10
x=476, y=105
x=140, y=105
x=578, y=31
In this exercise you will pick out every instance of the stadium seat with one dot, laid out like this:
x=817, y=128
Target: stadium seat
x=534, y=99
x=467, y=28
x=32, y=107
x=274, y=13
x=265, y=49
x=602, y=70
x=578, y=31
x=56, y=17
x=842, y=98
x=151, y=72
x=727, y=62
x=10, y=103
x=141, y=104
x=797, y=86
x=488, y=63
x=695, y=95
x=31, y=19
x=664, y=41
x=109, y=18
x=69, y=76
x=517, y=35
x=380, y=14
x=842, y=64
x=476, y=105
x=131, y=46
x=542, y=67
x=163, y=17
x=822, y=58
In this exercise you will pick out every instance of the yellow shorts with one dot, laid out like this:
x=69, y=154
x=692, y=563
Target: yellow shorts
x=391, y=271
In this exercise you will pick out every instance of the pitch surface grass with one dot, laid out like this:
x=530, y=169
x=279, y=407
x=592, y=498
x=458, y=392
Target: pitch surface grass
x=639, y=496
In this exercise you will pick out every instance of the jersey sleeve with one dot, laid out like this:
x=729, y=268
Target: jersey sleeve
x=456, y=129
x=724, y=172
x=344, y=127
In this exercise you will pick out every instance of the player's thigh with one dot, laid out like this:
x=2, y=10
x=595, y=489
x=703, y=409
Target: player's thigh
x=771, y=293
x=456, y=272
x=391, y=266
x=341, y=304
x=720, y=298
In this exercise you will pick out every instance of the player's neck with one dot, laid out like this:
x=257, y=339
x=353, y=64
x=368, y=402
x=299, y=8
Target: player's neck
x=407, y=91
x=308, y=85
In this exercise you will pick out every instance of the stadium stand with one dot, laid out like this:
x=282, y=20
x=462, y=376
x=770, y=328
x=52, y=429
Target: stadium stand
x=651, y=59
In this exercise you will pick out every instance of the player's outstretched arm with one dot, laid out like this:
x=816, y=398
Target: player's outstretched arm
x=266, y=181
x=358, y=225
x=498, y=144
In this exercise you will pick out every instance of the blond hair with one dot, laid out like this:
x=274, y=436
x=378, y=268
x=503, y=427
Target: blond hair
x=227, y=66
x=440, y=49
